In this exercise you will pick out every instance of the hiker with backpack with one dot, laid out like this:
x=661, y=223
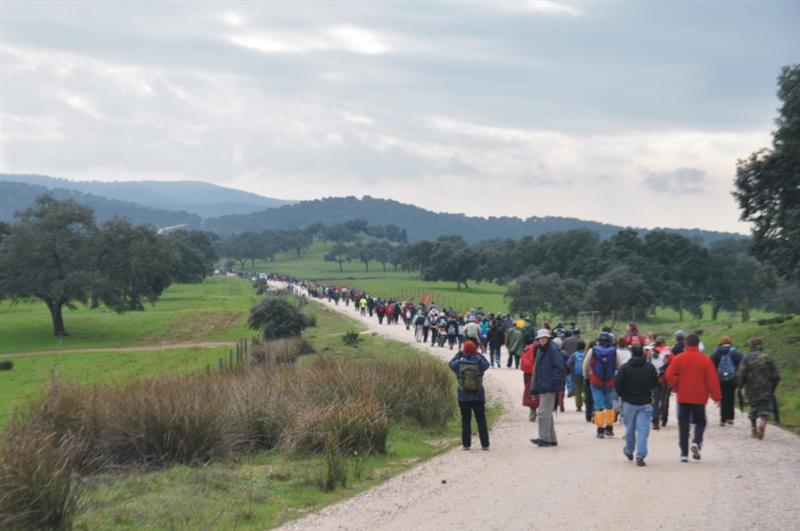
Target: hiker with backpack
x=469, y=366
x=529, y=400
x=634, y=384
x=575, y=368
x=515, y=342
x=759, y=377
x=659, y=357
x=452, y=331
x=693, y=378
x=727, y=359
x=633, y=335
x=496, y=339
x=547, y=380
x=600, y=363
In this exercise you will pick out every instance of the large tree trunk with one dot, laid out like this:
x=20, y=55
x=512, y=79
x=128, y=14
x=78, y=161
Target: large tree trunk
x=341, y=269
x=57, y=317
x=366, y=267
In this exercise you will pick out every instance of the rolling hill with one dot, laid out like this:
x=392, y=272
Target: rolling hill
x=199, y=198
x=420, y=224
x=18, y=196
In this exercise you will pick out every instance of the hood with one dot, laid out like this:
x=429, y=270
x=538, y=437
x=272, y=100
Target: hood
x=637, y=361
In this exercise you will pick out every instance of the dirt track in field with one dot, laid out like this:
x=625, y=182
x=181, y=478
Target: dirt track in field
x=584, y=483
x=147, y=348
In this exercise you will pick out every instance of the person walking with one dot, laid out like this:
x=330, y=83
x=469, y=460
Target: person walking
x=547, y=381
x=515, y=343
x=472, y=330
x=660, y=356
x=575, y=368
x=693, y=378
x=496, y=339
x=469, y=366
x=726, y=360
x=759, y=376
x=634, y=384
x=529, y=400
x=600, y=363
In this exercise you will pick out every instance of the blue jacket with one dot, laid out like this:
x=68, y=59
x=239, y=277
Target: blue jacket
x=483, y=364
x=549, y=370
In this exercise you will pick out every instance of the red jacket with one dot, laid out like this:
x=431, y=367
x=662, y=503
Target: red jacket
x=693, y=377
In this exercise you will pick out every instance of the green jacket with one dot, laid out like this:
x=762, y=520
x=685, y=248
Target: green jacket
x=515, y=341
x=759, y=376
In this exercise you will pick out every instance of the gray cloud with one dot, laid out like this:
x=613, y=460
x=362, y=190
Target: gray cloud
x=388, y=98
x=680, y=181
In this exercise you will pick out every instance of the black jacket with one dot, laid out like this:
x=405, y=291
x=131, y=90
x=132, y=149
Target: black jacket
x=635, y=381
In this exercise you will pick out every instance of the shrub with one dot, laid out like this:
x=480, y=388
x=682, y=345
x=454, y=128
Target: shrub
x=276, y=318
x=6, y=365
x=774, y=320
x=351, y=338
x=280, y=351
x=37, y=482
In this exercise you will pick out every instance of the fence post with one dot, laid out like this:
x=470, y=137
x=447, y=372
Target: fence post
x=745, y=310
x=680, y=310
x=784, y=312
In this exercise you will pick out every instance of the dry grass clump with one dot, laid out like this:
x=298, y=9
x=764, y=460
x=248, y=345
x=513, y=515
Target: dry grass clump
x=334, y=407
x=280, y=351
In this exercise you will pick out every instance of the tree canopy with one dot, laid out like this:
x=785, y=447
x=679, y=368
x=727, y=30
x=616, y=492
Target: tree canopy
x=768, y=185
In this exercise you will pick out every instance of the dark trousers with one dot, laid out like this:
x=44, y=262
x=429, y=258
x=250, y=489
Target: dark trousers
x=589, y=405
x=727, y=408
x=691, y=414
x=515, y=358
x=425, y=334
x=479, y=407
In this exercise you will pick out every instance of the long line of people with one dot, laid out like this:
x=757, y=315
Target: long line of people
x=628, y=379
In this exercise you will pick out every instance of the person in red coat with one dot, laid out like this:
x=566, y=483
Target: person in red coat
x=526, y=365
x=693, y=378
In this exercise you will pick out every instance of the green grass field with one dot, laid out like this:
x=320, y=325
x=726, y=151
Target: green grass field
x=251, y=492
x=270, y=488
x=214, y=310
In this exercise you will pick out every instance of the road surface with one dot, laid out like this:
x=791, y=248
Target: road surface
x=585, y=482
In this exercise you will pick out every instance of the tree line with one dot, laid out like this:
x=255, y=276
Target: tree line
x=56, y=252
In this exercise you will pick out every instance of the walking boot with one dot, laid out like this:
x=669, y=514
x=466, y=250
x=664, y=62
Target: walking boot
x=753, y=430
x=601, y=433
x=762, y=426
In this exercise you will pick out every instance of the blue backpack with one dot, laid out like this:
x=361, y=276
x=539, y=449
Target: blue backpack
x=577, y=368
x=726, y=369
x=605, y=357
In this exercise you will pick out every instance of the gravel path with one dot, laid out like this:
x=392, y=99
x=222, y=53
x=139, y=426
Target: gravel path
x=584, y=483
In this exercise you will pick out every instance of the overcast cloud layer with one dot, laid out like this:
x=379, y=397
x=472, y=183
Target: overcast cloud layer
x=627, y=113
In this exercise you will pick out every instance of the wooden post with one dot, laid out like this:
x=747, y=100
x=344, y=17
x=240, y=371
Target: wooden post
x=633, y=314
x=784, y=312
x=680, y=310
x=745, y=310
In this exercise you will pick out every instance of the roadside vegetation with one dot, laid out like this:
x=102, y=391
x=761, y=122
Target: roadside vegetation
x=116, y=440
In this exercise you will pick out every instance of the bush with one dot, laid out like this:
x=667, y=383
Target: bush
x=276, y=318
x=774, y=320
x=280, y=351
x=351, y=338
x=37, y=482
x=6, y=365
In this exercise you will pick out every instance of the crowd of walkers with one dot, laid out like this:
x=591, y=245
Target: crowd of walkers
x=626, y=379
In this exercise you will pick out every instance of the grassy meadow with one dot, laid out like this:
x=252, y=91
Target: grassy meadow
x=261, y=490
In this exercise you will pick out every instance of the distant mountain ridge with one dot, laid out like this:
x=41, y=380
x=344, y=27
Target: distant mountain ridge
x=207, y=198
x=19, y=196
x=200, y=198
x=420, y=224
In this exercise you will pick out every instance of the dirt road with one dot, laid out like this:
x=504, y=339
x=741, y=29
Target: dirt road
x=584, y=483
x=146, y=348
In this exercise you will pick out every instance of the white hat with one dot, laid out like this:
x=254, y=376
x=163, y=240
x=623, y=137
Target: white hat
x=543, y=332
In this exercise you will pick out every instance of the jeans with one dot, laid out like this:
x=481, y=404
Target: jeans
x=637, y=427
x=694, y=414
x=727, y=407
x=494, y=355
x=466, y=408
x=602, y=397
x=547, y=431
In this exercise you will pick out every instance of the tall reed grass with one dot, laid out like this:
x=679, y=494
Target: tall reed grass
x=334, y=407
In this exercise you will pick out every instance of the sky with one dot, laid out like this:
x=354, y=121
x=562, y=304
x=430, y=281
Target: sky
x=630, y=113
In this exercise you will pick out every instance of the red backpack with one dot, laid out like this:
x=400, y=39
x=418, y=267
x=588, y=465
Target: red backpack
x=526, y=359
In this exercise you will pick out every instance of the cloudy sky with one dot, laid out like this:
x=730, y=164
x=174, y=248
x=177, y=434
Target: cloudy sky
x=629, y=113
